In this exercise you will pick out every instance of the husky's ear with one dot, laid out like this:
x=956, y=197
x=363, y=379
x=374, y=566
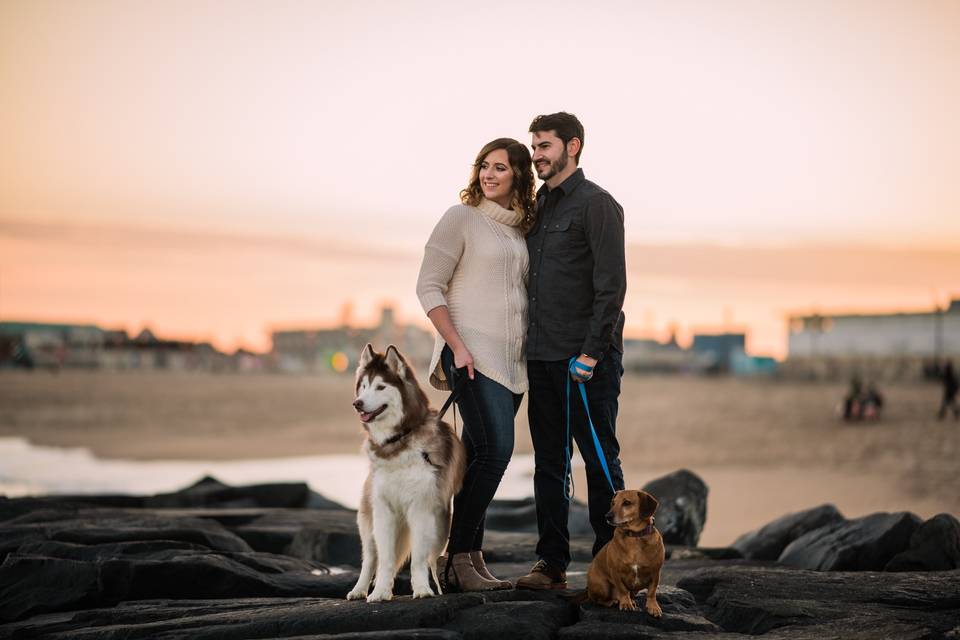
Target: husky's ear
x=365, y=356
x=395, y=361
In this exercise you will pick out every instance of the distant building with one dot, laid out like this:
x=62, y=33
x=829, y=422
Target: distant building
x=720, y=348
x=55, y=346
x=47, y=345
x=649, y=356
x=880, y=346
x=745, y=365
x=925, y=334
x=318, y=350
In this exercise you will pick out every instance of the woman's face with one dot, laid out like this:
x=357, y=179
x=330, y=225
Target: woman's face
x=496, y=177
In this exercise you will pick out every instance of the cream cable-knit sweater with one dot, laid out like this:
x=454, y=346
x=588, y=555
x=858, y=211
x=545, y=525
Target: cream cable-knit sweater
x=476, y=264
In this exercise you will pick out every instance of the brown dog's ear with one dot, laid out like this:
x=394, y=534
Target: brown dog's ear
x=648, y=504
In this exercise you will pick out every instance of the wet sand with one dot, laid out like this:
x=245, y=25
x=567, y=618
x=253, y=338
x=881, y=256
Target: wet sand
x=765, y=448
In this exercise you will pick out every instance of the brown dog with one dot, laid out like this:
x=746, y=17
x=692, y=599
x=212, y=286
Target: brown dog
x=632, y=560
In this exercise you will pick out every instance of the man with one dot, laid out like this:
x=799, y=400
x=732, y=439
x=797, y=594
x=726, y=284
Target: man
x=576, y=289
x=950, y=388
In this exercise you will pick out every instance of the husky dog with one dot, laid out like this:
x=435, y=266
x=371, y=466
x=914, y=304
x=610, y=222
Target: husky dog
x=417, y=464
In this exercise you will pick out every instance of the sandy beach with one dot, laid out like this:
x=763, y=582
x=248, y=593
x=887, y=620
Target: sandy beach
x=764, y=447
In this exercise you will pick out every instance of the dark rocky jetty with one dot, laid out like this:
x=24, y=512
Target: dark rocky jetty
x=275, y=561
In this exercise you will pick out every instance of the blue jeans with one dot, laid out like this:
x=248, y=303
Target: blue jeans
x=488, y=409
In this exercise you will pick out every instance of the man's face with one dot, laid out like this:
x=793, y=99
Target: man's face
x=549, y=154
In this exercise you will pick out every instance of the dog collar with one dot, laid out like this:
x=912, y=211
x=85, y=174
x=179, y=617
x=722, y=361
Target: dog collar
x=639, y=534
x=395, y=438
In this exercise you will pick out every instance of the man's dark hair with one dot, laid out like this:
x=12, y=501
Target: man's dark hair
x=564, y=124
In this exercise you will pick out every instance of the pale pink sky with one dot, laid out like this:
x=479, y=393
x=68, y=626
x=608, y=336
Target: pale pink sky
x=216, y=168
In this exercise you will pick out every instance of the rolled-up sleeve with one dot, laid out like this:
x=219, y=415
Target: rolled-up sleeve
x=441, y=255
x=603, y=228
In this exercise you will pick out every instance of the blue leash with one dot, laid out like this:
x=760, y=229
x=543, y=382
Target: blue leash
x=568, y=488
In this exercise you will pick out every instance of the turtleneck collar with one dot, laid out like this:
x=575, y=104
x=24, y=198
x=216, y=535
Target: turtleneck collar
x=498, y=213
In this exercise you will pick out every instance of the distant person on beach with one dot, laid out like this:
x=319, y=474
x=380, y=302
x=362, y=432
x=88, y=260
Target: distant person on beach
x=577, y=286
x=852, y=402
x=950, y=388
x=473, y=287
x=860, y=403
x=872, y=404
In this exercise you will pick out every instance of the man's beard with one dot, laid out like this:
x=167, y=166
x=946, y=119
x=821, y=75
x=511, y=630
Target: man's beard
x=554, y=168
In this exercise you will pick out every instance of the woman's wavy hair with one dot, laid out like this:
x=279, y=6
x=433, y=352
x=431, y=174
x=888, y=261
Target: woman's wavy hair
x=524, y=196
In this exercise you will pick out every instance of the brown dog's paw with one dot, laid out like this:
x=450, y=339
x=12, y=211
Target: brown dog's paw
x=627, y=604
x=654, y=609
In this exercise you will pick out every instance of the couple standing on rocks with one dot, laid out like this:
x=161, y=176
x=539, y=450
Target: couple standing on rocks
x=526, y=291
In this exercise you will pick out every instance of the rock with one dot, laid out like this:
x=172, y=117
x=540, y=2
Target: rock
x=674, y=552
x=76, y=572
x=715, y=603
x=523, y=618
x=768, y=542
x=683, y=506
x=787, y=603
x=521, y=515
x=32, y=585
x=680, y=613
x=612, y=631
x=97, y=557
x=101, y=526
x=26, y=582
x=206, y=492
x=317, y=501
x=864, y=544
x=327, y=536
x=210, y=492
x=934, y=546
x=242, y=619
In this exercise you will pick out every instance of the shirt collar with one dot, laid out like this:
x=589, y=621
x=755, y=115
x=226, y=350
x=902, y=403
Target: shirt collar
x=567, y=186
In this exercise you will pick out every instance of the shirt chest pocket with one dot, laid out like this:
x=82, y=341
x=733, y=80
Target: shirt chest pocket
x=565, y=236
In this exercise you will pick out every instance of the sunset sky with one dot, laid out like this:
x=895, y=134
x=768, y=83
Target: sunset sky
x=218, y=169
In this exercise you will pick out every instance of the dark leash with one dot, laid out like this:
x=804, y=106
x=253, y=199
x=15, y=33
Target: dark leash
x=458, y=388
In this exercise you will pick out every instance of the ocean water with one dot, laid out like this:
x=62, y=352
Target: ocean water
x=27, y=469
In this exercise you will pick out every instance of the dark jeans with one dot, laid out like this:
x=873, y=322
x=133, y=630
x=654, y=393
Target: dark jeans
x=547, y=413
x=488, y=409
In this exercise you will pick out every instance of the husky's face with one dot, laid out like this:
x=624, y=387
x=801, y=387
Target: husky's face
x=376, y=399
x=380, y=384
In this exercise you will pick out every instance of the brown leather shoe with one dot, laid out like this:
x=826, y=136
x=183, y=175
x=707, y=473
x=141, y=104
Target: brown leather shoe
x=543, y=576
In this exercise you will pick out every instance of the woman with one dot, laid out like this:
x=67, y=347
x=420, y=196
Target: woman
x=472, y=286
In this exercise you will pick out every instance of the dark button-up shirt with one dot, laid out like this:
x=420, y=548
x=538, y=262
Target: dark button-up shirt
x=578, y=275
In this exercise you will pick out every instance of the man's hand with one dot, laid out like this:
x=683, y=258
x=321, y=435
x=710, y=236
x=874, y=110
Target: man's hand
x=584, y=373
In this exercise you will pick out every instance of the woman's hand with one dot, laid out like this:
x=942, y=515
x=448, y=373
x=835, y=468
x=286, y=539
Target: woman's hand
x=463, y=358
x=440, y=317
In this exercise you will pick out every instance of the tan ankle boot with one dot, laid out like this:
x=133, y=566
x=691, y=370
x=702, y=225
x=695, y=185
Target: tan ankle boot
x=461, y=576
x=481, y=567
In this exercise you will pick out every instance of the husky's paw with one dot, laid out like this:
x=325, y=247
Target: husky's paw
x=425, y=592
x=380, y=595
x=357, y=594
